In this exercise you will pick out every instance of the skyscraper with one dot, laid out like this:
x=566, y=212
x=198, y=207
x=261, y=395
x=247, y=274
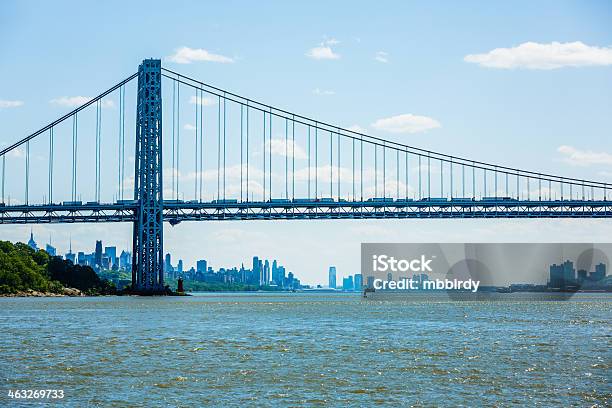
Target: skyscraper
x=201, y=265
x=98, y=257
x=347, y=283
x=111, y=253
x=50, y=250
x=332, y=277
x=358, y=281
x=31, y=242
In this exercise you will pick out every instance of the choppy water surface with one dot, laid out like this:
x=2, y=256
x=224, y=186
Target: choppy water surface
x=299, y=349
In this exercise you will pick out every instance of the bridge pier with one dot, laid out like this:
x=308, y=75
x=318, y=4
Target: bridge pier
x=147, y=251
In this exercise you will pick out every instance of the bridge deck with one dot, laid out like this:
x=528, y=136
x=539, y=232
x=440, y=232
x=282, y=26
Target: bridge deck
x=175, y=212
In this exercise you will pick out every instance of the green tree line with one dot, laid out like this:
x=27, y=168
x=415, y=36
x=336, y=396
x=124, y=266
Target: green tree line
x=22, y=268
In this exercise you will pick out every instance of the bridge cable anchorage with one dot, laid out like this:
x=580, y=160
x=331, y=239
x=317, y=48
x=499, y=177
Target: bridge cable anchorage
x=354, y=134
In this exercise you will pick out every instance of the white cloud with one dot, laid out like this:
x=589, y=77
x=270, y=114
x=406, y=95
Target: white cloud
x=9, y=104
x=278, y=147
x=324, y=50
x=204, y=101
x=74, y=101
x=323, y=92
x=356, y=128
x=382, y=56
x=532, y=55
x=186, y=55
x=578, y=157
x=189, y=126
x=406, y=123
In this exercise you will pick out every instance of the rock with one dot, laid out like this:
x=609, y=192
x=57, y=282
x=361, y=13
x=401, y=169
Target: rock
x=72, y=292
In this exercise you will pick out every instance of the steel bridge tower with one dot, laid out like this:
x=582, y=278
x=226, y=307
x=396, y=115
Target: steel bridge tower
x=147, y=251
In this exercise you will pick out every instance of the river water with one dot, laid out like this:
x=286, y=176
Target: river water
x=307, y=349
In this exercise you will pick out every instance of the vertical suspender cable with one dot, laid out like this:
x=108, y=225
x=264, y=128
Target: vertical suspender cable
x=241, y=146
x=27, y=171
x=293, y=158
x=219, y=148
x=173, y=137
x=270, y=159
x=353, y=163
x=361, y=167
x=406, y=180
x=264, y=156
x=428, y=176
x=331, y=165
x=316, y=160
x=384, y=186
x=201, y=144
x=339, y=176
x=224, y=130
x=375, y=170
x=195, y=179
x=178, y=136
x=247, y=151
x=51, y=153
x=286, y=158
x=397, y=176
x=441, y=178
x=308, y=161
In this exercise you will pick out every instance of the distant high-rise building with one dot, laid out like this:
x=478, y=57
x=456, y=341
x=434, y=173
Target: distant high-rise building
x=125, y=260
x=31, y=242
x=98, y=257
x=562, y=275
x=347, y=283
x=358, y=282
x=179, y=267
x=201, y=265
x=111, y=253
x=332, y=277
x=600, y=272
x=168, y=263
x=50, y=250
x=70, y=255
x=266, y=273
x=81, y=258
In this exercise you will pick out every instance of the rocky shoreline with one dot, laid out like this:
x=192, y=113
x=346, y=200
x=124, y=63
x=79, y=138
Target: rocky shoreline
x=71, y=292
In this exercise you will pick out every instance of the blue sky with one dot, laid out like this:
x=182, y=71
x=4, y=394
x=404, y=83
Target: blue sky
x=488, y=81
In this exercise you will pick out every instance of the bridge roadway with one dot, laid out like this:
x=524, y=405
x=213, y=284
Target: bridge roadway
x=279, y=209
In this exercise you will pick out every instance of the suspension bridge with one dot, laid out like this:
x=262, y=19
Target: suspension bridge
x=234, y=158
